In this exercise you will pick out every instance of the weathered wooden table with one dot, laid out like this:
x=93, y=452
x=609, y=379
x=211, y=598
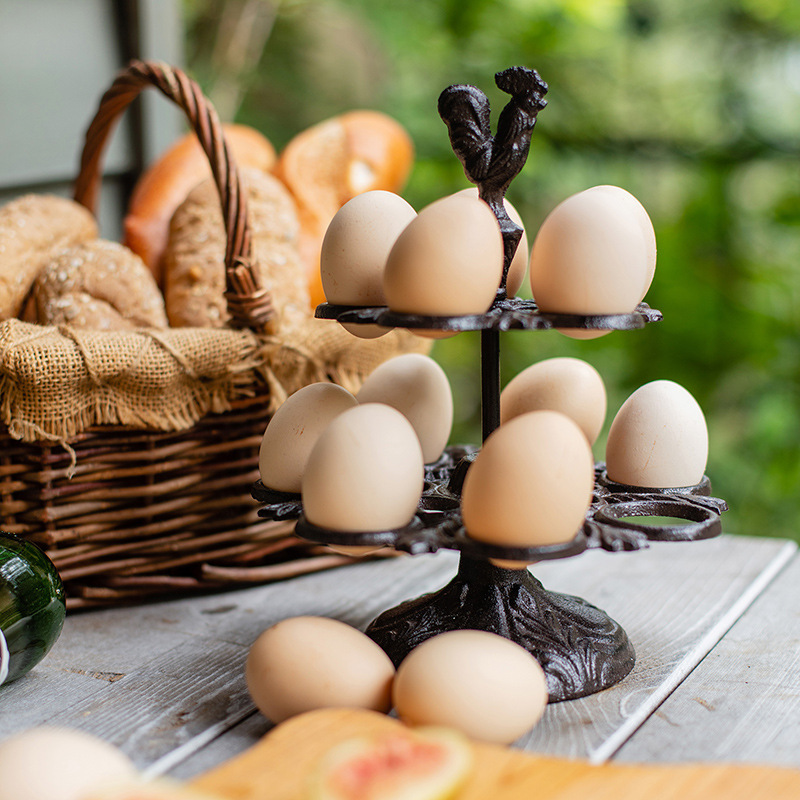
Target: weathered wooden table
x=716, y=626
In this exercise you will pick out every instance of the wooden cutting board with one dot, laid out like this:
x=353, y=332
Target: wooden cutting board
x=277, y=768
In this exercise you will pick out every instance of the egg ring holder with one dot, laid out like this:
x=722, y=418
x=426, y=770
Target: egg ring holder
x=581, y=649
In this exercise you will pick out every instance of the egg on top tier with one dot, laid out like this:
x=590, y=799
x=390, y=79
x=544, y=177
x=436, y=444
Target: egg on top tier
x=365, y=473
x=293, y=431
x=531, y=483
x=519, y=264
x=448, y=261
x=355, y=248
x=658, y=438
x=568, y=385
x=594, y=254
x=416, y=386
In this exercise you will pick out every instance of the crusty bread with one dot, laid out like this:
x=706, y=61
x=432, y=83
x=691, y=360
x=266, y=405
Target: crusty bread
x=100, y=285
x=165, y=184
x=32, y=227
x=194, y=268
x=330, y=163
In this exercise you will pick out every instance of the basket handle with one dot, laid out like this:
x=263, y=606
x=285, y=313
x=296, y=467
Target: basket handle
x=249, y=303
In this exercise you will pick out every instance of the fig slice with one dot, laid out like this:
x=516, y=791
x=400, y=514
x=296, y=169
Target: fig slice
x=425, y=764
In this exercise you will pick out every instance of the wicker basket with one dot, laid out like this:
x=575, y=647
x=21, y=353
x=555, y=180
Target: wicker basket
x=127, y=514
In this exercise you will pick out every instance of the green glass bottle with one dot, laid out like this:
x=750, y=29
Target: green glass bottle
x=32, y=606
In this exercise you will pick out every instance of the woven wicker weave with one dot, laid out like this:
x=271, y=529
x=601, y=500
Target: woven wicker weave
x=127, y=514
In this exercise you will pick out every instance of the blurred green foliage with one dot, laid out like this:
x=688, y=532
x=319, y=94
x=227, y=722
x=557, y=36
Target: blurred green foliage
x=692, y=105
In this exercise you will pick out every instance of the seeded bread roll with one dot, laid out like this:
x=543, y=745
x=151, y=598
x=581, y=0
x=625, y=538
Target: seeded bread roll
x=99, y=285
x=194, y=261
x=165, y=184
x=32, y=228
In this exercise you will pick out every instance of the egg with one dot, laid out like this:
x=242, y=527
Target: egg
x=293, y=431
x=357, y=244
x=568, y=385
x=417, y=387
x=591, y=256
x=52, y=763
x=639, y=213
x=519, y=263
x=531, y=483
x=658, y=438
x=448, y=261
x=305, y=663
x=365, y=473
x=354, y=252
x=479, y=683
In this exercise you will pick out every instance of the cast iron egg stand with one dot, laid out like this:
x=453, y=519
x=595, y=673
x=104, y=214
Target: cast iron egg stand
x=581, y=649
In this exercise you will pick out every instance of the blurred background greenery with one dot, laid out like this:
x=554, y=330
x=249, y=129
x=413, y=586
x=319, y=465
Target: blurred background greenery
x=692, y=105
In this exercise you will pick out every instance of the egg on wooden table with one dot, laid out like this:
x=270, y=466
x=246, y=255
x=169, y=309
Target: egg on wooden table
x=569, y=385
x=658, y=438
x=592, y=255
x=354, y=252
x=52, y=763
x=519, y=263
x=365, y=473
x=448, y=261
x=304, y=663
x=531, y=483
x=293, y=431
x=479, y=683
x=416, y=386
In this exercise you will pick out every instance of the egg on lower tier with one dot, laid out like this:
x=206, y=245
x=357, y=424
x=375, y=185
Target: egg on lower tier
x=531, y=483
x=658, y=438
x=365, y=473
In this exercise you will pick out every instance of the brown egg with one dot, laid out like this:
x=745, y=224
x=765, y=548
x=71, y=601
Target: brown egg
x=658, y=438
x=418, y=388
x=568, y=385
x=639, y=213
x=305, y=663
x=365, y=473
x=448, y=261
x=592, y=255
x=293, y=431
x=479, y=683
x=52, y=763
x=531, y=483
x=519, y=264
x=355, y=248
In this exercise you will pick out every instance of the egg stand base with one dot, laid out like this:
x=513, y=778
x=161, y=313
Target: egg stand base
x=581, y=649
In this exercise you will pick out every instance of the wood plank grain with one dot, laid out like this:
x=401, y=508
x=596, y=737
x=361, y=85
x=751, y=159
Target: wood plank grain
x=180, y=663
x=671, y=600
x=742, y=703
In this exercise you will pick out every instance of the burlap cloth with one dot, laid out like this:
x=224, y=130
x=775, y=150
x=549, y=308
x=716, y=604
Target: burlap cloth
x=56, y=382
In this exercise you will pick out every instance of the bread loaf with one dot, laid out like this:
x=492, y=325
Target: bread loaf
x=194, y=268
x=330, y=163
x=32, y=228
x=165, y=184
x=99, y=285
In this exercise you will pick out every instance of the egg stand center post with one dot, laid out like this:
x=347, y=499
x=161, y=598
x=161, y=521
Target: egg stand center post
x=580, y=648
